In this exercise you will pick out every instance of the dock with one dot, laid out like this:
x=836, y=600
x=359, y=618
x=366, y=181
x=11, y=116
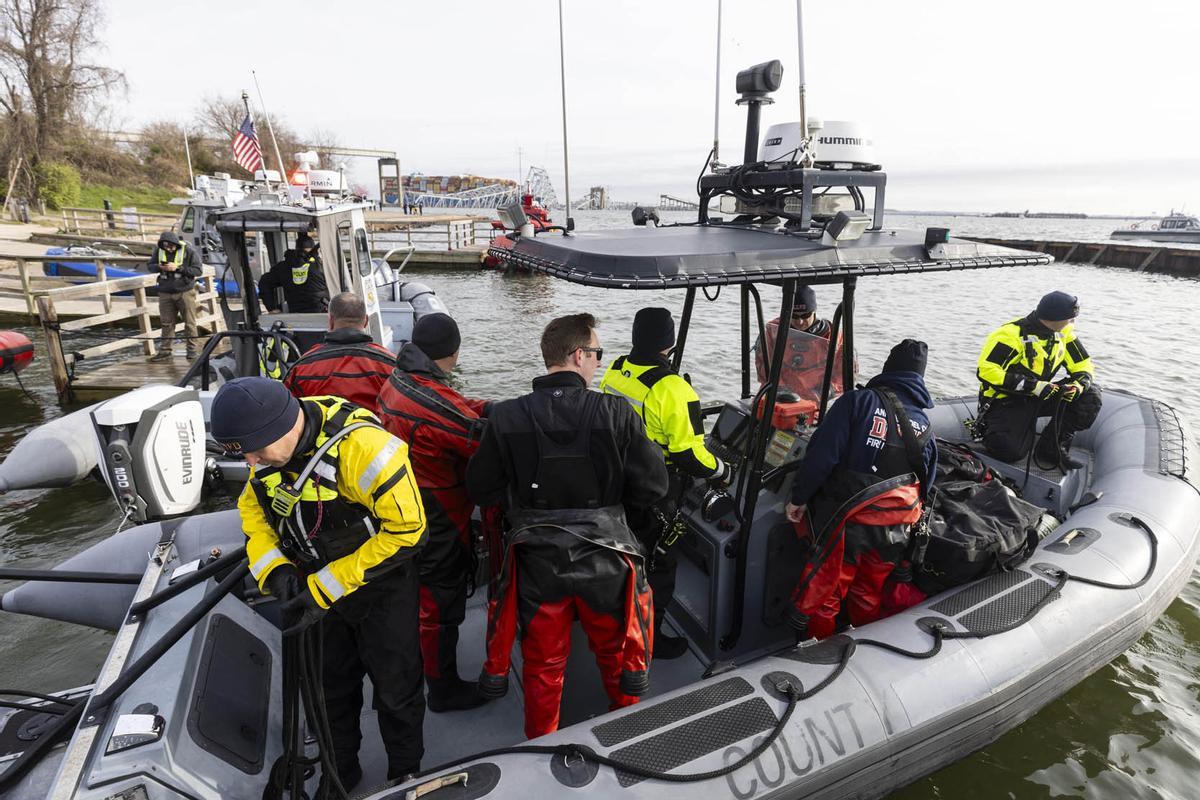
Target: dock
x=1160, y=258
x=429, y=241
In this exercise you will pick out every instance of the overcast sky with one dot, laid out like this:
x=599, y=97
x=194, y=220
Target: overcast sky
x=1051, y=105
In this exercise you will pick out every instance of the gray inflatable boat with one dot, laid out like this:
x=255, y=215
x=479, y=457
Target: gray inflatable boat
x=857, y=715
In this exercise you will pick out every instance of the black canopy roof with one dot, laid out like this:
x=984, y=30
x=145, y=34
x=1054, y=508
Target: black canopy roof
x=717, y=255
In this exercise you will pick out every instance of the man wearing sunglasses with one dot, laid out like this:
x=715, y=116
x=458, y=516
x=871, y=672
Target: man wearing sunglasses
x=670, y=409
x=564, y=462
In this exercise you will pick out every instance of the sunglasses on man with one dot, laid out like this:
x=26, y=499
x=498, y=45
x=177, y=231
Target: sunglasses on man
x=599, y=351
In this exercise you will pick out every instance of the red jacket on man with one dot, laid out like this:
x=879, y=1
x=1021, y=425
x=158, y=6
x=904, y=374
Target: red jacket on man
x=442, y=429
x=347, y=364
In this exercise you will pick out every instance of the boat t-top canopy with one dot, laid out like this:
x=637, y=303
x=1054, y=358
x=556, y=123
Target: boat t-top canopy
x=700, y=255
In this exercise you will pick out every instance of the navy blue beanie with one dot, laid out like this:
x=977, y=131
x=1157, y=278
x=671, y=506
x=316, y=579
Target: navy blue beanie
x=653, y=330
x=1058, y=306
x=805, y=300
x=250, y=413
x=437, y=335
x=910, y=355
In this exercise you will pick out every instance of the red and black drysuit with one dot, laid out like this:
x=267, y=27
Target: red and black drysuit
x=347, y=364
x=563, y=461
x=442, y=429
x=863, y=485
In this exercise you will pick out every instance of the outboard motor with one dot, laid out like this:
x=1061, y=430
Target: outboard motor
x=152, y=452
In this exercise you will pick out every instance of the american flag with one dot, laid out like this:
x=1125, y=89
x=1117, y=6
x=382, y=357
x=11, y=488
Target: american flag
x=246, y=151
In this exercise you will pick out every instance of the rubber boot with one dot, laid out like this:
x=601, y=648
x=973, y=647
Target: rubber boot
x=453, y=694
x=668, y=647
x=161, y=355
x=1056, y=453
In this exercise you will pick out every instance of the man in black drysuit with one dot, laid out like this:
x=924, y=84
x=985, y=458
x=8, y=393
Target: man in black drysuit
x=302, y=278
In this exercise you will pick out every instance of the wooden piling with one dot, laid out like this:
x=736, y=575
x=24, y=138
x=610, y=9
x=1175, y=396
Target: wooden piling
x=54, y=351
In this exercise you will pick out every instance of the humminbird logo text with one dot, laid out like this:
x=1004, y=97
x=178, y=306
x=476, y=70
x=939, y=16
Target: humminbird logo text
x=183, y=430
x=851, y=140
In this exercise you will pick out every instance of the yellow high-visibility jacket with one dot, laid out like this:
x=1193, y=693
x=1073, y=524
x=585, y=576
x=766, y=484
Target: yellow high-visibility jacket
x=670, y=409
x=367, y=468
x=1019, y=354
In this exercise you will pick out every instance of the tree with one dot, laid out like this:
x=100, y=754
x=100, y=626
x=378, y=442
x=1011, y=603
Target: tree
x=219, y=117
x=45, y=68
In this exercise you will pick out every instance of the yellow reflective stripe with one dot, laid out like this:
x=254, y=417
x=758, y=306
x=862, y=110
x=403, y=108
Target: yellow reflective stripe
x=381, y=459
x=263, y=564
x=610, y=389
x=329, y=584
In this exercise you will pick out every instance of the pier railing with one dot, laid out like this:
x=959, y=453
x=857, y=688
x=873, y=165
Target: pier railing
x=115, y=222
x=29, y=276
x=64, y=360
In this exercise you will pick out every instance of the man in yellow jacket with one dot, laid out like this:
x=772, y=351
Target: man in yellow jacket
x=1017, y=370
x=333, y=520
x=670, y=409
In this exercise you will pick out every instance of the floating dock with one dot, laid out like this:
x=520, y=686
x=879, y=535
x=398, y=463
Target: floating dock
x=1168, y=259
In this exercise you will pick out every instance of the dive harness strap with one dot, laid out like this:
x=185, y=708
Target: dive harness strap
x=914, y=451
x=287, y=495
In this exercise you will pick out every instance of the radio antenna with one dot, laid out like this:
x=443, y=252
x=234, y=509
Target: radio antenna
x=562, y=76
x=717, y=101
x=804, y=142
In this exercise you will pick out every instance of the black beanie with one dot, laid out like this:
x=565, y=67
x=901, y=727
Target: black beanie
x=1057, y=306
x=250, y=413
x=437, y=335
x=805, y=301
x=653, y=330
x=305, y=242
x=908, y=356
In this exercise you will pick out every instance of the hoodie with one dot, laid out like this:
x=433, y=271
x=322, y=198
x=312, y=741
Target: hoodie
x=850, y=438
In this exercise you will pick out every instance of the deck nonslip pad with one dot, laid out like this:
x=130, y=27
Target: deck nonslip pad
x=1004, y=611
x=976, y=594
x=699, y=737
x=653, y=717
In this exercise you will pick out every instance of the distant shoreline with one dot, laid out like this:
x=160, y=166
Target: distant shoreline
x=1020, y=215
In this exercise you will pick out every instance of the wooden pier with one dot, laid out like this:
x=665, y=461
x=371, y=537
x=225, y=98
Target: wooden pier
x=75, y=379
x=1164, y=258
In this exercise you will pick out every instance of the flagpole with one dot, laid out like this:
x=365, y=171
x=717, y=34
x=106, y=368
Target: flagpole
x=270, y=127
x=249, y=116
x=187, y=149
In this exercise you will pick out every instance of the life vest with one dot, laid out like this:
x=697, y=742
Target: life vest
x=314, y=524
x=177, y=259
x=300, y=271
x=276, y=355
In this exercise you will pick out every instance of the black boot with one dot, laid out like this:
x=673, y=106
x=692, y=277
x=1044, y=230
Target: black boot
x=1056, y=454
x=668, y=647
x=453, y=694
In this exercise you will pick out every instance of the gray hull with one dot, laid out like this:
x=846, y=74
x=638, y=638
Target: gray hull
x=884, y=721
x=1158, y=236
x=59, y=453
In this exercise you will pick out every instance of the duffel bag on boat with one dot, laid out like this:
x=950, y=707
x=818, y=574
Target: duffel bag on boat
x=972, y=529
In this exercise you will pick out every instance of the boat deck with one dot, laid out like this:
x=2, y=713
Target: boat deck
x=501, y=723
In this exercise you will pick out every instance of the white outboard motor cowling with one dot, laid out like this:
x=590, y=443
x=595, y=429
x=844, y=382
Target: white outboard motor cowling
x=152, y=453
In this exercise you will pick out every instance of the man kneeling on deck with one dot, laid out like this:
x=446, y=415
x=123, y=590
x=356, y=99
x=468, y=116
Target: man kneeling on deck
x=1016, y=368
x=347, y=363
x=563, y=461
x=859, y=489
x=333, y=520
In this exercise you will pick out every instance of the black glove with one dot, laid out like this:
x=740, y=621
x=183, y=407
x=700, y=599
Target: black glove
x=285, y=582
x=301, y=613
